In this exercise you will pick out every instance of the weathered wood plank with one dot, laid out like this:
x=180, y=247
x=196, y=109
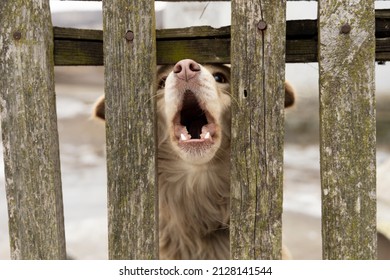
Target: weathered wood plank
x=194, y=32
x=382, y=49
x=29, y=131
x=78, y=52
x=85, y=47
x=347, y=110
x=130, y=62
x=202, y=50
x=69, y=53
x=257, y=128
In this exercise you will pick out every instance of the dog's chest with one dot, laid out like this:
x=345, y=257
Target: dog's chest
x=199, y=198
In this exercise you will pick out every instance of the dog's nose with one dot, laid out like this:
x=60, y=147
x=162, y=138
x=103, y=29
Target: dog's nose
x=186, y=69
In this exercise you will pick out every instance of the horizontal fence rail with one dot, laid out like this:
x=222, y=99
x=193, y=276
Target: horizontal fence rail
x=85, y=47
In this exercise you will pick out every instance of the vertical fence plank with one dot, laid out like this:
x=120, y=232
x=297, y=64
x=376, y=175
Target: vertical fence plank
x=347, y=109
x=29, y=131
x=130, y=58
x=258, y=54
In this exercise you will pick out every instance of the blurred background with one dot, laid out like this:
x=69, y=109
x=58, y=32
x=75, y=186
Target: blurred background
x=82, y=138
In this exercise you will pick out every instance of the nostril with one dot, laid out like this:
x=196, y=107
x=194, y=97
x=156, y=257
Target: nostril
x=186, y=64
x=194, y=66
x=177, y=68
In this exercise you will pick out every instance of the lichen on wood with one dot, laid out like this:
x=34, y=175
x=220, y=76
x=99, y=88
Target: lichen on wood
x=29, y=131
x=130, y=88
x=85, y=47
x=347, y=113
x=258, y=58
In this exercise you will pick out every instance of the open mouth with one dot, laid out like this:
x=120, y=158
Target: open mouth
x=192, y=123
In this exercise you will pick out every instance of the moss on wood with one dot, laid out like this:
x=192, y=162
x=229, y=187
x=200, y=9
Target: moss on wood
x=257, y=129
x=347, y=111
x=206, y=44
x=129, y=87
x=29, y=130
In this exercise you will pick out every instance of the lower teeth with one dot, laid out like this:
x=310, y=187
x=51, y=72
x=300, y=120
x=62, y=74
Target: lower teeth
x=183, y=137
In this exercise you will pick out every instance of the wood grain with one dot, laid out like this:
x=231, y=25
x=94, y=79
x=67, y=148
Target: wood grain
x=29, y=131
x=258, y=58
x=131, y=153
x=348, y=133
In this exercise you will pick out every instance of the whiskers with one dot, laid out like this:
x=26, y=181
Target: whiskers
x=159, y=94
x=222, y=154
x=231, y=97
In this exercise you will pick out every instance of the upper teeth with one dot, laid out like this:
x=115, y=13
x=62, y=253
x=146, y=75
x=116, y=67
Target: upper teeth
x=207, y=136
x=183, y=137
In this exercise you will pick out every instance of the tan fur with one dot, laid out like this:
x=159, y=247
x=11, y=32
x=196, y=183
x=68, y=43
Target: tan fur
x=194, y=195
x=194, y=183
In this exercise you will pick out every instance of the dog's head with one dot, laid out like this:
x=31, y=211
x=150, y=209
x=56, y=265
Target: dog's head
x=193, y=108
x=194, y=105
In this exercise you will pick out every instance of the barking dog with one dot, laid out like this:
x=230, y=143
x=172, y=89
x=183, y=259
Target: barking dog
x=193, y=108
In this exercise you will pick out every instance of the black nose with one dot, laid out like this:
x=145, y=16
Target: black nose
x=186, y=69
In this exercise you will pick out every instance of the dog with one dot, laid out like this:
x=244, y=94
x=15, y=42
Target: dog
x=194, y=120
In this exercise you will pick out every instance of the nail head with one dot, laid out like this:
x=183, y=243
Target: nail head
x=17, y=35
x=346, y=28
x=262, y=25
x=129, y=35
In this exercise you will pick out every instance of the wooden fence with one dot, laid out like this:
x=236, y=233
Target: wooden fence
x=345, y=44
